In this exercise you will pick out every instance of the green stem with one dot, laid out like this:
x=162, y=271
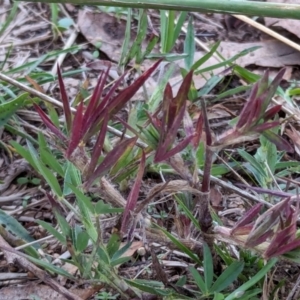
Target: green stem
x=251, y=8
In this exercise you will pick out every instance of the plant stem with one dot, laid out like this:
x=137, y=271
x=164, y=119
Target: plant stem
x=242, y=7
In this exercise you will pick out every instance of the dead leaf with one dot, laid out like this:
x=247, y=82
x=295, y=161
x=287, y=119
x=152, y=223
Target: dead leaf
x=216, y=198
x=287, y=24
x=271, y=54
x=132, y=249
x=294, y=135
x=103, y=31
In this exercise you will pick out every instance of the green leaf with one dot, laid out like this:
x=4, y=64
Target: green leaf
x=63, y=224
x=218, y=296
x=24, y=153
x=126, y=41
x=13, y=226
x=113, y=244
x=136, y=48
x=228, y=276
x=253, y=162
x=65, y=23
x=7, y=109
x=72, y=176
x=52, y=231
x=46, y=173
x=50, y=267
x=103, y=255
x=148, y=287
x=20, y=132
x=181, y=246
x=207, y=266
x=209, y=85
x=189, y=45
x=226, y=62
x=47, y=157
x=82, y=241
x=82, y=198
x=178, y=26
x=254, y=279
x=104, y=208
x=249, y=76
x=188, y=212
x=120, y=261
x=199, y=280
x=206, y=57
x=120, y=252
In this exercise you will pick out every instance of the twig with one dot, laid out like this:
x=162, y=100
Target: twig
x=236, y=189
x=268, y=31
x=294, y=294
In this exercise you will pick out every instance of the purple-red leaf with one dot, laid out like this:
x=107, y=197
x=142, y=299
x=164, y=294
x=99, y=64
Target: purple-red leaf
x=65, y=100
x=247, y=218
x=95, y=98
x=180, y=99
x=270, y=113
x=124, y=96
x=170, y=136
x=110, y=159
x=265, y=191
x=198, y=132
x=248, y=108
x=271, y=90
x=133, y=196
x=76, y=134
x=242, y=230
x=178, y=148
x=91, y=125
x=167, y=119
x=98, y=147
x=255, y=240
x=188, y=124
x=271, y=252
x=49, y=123
x=206, y=123
x=262, y=127
x=281, y=144
x=263, y=83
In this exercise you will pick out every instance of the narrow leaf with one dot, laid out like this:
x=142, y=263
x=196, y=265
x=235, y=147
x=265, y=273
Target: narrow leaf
x=254, y=279
x=124, y=96
x=198, y=280
x=281, y=144
x=208, y=266
x=230, y=274
x=270, y=113
x=98, y=146
x=189, y=45
x=95, y=106
x=248, y=108
x=248, y=217
x=77, y=133
x=110, y=159
x=65, y=100
x=265, y=126
x=7, y=109
x=133, y=196
x=49, y=123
